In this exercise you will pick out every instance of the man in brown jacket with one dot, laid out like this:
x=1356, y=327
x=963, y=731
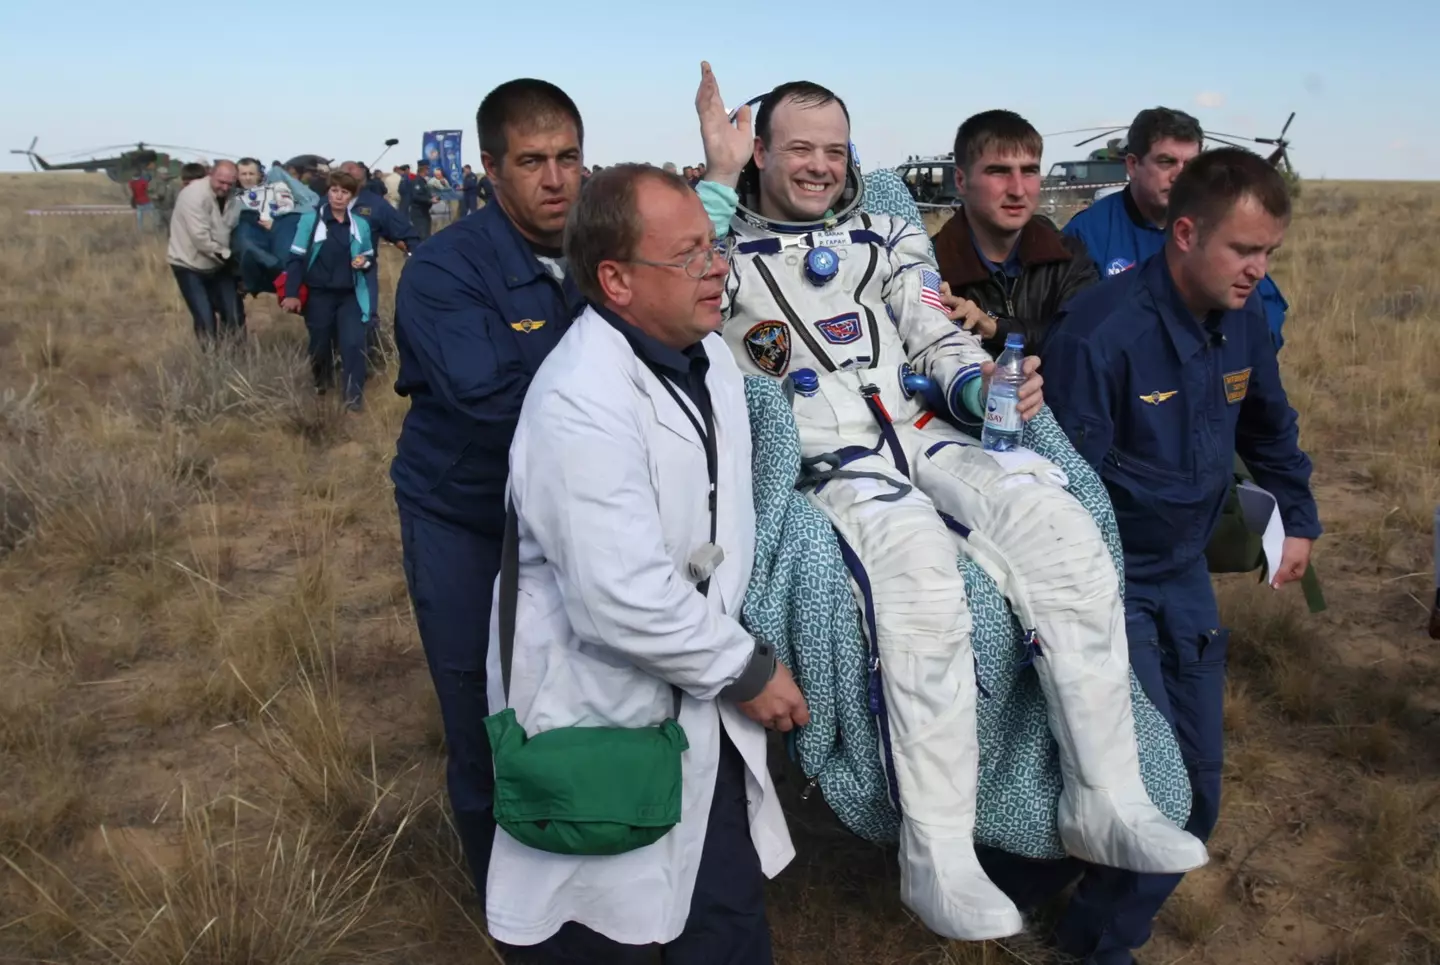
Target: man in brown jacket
x=1004, y=270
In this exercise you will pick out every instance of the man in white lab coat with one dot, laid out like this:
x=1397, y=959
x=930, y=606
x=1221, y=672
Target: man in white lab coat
x=630, y=465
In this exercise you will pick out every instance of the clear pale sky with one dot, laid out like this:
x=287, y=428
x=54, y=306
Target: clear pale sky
x=274, y=80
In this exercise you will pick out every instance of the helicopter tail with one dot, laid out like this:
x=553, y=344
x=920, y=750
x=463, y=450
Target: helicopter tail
x=37, y=163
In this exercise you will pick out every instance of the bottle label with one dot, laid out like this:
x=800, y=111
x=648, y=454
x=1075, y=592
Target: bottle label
x=1002, y=413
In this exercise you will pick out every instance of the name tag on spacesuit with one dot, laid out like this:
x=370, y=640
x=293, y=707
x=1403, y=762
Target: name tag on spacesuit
x=830, y=239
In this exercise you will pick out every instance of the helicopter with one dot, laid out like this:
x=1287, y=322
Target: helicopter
x=1069, y=184
x=129, y=163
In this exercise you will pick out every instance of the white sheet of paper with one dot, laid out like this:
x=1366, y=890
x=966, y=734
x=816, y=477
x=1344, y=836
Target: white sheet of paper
x=1262, y=515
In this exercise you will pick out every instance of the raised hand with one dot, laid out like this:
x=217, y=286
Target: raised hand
x=728, y=147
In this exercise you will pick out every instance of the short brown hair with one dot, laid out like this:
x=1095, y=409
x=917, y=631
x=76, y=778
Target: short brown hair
x=803, y=92
x=524, y=105
x=1217, y=179
x=1157, y=124
x=1003, y=129
x=604, y=225
x=343, y=179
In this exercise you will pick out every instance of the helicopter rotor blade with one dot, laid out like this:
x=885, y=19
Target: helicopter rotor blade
x=1221, y=140
x=1287, y=125
x=1233, y=137
x=193, y=150
x=1083, y=130
x=1097, y=137
x=92, y=151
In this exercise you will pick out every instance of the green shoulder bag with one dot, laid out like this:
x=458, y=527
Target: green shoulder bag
x=579, y=790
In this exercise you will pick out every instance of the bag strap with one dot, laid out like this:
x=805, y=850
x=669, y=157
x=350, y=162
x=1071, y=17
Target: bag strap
x=510, y=595
x=1310, y=584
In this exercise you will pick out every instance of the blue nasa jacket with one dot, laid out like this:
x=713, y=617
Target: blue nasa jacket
x=1157, y=401
x=475, y=315
x=1119, y=237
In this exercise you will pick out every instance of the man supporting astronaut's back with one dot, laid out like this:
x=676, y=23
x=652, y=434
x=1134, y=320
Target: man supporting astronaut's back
x=817, y=284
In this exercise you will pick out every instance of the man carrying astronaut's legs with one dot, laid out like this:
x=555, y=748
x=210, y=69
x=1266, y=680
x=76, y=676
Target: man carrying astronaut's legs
x=817, y=285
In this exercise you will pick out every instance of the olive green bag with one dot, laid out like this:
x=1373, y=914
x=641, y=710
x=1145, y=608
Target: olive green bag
x=578, y=790
x=1236, y=548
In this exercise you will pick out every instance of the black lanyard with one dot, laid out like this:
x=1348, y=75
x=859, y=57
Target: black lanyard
x=707, y=440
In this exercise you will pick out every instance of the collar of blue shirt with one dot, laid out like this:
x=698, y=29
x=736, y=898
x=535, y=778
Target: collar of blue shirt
x=1010, y=268
x=680, y=364
x=1187, y=333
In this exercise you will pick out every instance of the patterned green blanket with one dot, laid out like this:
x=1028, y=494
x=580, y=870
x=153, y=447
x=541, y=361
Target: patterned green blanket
x=800, y=601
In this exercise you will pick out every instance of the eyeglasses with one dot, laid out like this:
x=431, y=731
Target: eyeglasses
x=698, y=265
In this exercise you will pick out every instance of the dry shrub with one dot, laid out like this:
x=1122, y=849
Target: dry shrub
x=1194, y=916
x=1394, y=855
x=1272, y=653
x=1392, y=830
x=222, y=896
x=21, y=415
x=102, y=500
x=261, y=643
x=253, y=380
x=44, y=795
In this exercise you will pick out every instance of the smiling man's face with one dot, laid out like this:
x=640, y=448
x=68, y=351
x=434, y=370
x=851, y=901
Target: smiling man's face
x=803, y=168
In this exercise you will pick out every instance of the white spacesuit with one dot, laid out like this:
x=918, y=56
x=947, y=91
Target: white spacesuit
x=269, y=199
x=855, y=300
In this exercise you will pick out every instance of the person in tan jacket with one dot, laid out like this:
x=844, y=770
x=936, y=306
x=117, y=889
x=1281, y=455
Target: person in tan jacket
x=199, y=252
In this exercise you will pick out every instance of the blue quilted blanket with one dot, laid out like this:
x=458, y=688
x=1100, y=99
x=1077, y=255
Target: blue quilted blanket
x=800, y=601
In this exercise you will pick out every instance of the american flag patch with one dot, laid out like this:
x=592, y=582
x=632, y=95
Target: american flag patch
x=930, y=290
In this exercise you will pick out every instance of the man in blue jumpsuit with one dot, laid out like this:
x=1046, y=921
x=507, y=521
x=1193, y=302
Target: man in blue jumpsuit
x=469, y=191
x=1157, y=377
x=478, y=308
x=1124, y=229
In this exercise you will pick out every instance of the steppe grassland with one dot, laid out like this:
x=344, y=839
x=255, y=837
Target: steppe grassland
x=217, y=737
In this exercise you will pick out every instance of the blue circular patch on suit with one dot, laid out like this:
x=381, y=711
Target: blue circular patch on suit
x=821, y=265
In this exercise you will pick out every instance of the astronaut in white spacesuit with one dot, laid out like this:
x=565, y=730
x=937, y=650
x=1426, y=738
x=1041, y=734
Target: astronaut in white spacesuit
x=846, y=304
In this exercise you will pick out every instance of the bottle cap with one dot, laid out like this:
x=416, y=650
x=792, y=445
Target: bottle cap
x=821, y=265
x=1014, y=340
x=805, y=380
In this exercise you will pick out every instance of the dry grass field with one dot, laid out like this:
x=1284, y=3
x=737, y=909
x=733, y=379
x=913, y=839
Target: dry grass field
x=218, y=744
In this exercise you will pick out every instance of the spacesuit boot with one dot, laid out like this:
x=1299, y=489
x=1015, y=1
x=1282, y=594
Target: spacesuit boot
x=1049, y=559
x=912, y=597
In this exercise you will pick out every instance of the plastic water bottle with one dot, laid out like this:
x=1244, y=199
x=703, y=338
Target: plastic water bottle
x=806, y=382
x=1002, y=403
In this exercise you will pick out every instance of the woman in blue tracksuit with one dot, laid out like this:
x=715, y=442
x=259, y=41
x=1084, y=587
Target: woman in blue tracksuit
x=330, y=256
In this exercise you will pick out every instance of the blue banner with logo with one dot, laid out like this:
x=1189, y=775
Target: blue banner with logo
x=441, y=149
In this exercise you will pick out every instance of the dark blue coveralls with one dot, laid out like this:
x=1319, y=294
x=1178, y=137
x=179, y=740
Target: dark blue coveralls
x=390, y=225
x=1157, y=401
x=469, y=193
x=1119, y=237
x=475, y=315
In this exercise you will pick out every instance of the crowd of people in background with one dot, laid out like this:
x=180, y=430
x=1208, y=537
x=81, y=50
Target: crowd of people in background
x=303, y=231
x=236, y=230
